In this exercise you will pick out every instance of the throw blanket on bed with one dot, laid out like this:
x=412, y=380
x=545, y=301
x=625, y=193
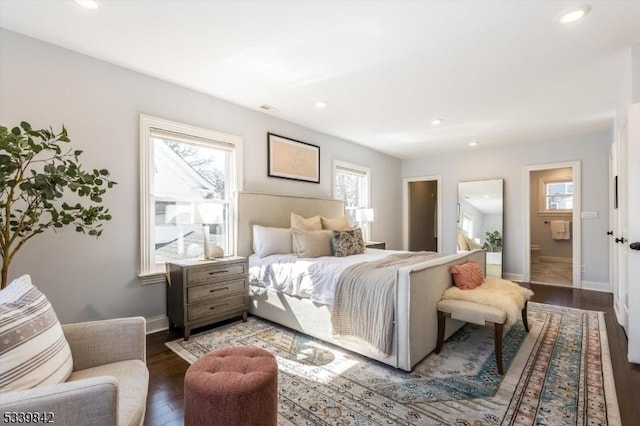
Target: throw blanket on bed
x=364, y=299
x=497, y=293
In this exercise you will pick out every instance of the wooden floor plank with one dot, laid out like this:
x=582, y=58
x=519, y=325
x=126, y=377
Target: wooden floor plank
x=166, y=369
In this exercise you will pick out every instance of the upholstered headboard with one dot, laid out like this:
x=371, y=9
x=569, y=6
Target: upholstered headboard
x=275, y=211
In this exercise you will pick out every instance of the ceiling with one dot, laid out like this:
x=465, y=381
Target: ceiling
x=484, y=195
x=499, y=72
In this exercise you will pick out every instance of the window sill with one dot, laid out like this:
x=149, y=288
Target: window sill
x=152, y=278
x=555, y=213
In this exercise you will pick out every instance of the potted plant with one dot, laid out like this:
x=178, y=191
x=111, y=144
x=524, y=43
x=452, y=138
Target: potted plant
x=495, y=240
x=42, y=187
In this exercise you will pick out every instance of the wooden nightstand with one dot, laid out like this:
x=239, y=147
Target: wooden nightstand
x=202, y=292
x=376, y=245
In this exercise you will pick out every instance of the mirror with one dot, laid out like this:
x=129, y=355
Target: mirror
x=480, y=220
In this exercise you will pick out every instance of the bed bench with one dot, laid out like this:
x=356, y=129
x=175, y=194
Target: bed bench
x=477, y=314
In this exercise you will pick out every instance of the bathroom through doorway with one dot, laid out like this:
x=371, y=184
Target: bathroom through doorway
x=552, y=229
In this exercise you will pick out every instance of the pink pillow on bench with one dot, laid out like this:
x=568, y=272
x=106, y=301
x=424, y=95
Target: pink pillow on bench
x=467, y=276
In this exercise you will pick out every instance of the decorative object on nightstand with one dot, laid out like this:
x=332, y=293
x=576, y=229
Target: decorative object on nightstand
x=201, y=292
x=364, y=216
x=376, y=245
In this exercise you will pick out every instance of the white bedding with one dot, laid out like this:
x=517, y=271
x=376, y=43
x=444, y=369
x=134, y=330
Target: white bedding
x=315, y=278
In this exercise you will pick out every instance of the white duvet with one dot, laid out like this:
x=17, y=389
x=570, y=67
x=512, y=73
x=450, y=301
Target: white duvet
x=315, y=278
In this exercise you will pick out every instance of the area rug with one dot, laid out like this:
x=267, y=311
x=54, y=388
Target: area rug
x=557, y=374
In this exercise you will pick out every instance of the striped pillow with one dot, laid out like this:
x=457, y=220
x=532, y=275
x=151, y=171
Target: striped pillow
x=33, y=349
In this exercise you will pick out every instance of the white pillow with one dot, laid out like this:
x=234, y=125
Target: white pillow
x=312, y=243
x=268, y=241
x=33, y=349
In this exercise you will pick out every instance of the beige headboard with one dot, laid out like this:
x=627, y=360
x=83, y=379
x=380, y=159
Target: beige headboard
x=275, y=211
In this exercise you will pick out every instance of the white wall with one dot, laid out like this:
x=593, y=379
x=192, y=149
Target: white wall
x=99, y=103
x=507, y=163
x=635, y=74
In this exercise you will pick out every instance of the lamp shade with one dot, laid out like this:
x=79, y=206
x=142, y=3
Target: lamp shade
x=204, y=213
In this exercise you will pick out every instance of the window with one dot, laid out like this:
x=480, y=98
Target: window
x=467, y=225
x=556, y=195
x=188, y=178
x=351, y=185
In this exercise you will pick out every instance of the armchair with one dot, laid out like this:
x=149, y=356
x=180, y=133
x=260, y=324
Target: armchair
x=109, y=382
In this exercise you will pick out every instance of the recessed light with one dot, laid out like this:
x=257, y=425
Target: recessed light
x=321, y=104
x=88, y=4
x=437, y=121
x=473, y=143
x=574, y=14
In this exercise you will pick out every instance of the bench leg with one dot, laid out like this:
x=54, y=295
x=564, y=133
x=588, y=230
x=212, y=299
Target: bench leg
x=497, y=329
x=525, y=320
x=441, y=323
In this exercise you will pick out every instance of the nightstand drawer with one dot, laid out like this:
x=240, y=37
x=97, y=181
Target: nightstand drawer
x=216, y=290
x=214, y=273
x=216, y=307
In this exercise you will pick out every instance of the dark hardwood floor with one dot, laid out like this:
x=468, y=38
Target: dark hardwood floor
x=166, y=369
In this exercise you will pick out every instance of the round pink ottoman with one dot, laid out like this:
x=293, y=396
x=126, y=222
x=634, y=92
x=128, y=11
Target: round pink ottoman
x=232, y=386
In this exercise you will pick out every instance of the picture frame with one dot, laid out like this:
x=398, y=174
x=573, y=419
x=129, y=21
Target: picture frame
x=292, y=159
x=458, y=214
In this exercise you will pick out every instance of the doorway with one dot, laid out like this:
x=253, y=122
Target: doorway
x=422, y=229
x=552, y=224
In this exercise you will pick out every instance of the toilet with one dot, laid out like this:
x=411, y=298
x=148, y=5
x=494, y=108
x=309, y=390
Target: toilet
x=535, y=253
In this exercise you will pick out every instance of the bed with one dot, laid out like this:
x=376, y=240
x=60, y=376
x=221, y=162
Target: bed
x=419, y=286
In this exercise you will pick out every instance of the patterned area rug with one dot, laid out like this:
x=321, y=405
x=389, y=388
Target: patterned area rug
x=558, y=374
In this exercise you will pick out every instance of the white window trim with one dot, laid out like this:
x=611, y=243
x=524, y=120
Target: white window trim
x=148, y=274
x=542, y=196
x=339, y=164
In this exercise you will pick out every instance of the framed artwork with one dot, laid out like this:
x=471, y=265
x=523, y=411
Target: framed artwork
x=292, y=159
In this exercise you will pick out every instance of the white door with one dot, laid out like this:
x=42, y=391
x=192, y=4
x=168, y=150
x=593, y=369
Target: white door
x=620, y=232
x=613, y=229
x=633, y=232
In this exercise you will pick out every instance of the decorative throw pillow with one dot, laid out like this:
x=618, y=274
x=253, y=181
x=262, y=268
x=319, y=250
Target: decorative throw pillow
x=33, y=349
x=311, y=243
x=462, y=241
x=473, y=245
x=310, y=224
x=467, y=276
x=340, y=224
x=267, y=241
x=347, y=243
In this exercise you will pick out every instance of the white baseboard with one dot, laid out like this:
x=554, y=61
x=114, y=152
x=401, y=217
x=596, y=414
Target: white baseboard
x=554, y=259
x=596, y=286
x=513, y=277
x=159, y=323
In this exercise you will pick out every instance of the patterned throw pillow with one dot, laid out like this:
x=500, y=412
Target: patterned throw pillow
x=467, y=276
x=33, y=349
x=346, y=243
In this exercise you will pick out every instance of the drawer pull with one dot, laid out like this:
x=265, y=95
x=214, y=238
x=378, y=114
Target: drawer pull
x=223, y=271
x=218, y=306
x=213, y=290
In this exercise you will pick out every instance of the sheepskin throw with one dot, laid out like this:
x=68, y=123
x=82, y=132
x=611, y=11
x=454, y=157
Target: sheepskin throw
x=497, y=293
